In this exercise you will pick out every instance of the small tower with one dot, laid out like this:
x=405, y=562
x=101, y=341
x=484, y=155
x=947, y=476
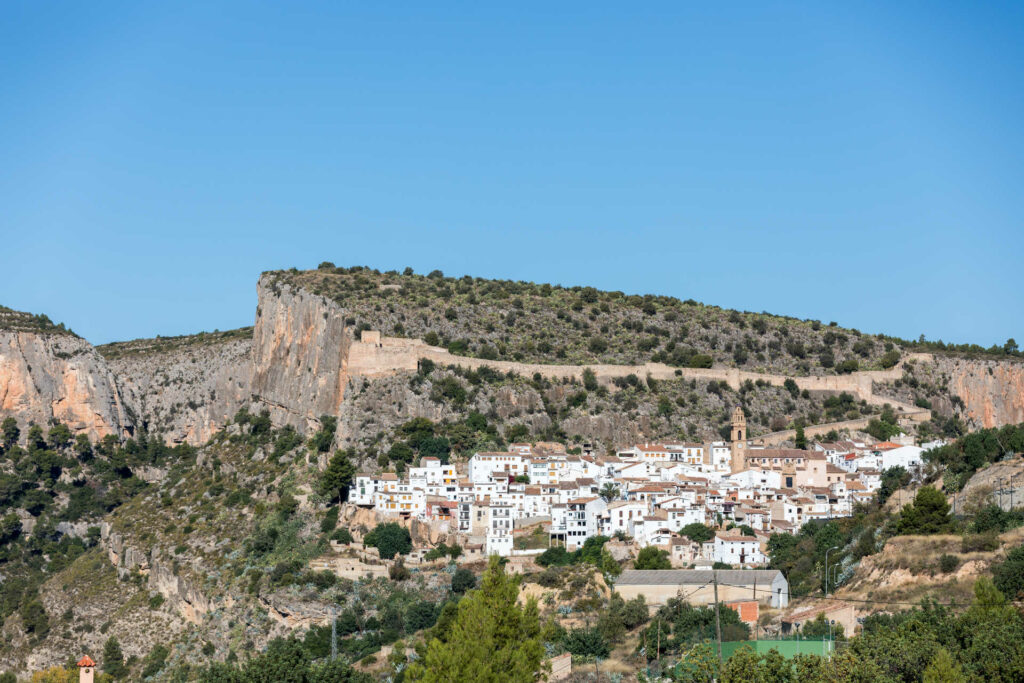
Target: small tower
x=86, y=669
x=739, y=443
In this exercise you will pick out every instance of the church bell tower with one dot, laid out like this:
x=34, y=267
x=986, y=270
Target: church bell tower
x=739, y=440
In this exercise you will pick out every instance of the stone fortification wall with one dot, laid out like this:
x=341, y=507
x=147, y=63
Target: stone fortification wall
x=376, y=356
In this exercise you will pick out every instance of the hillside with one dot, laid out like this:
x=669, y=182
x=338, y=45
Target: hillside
x=302, y=360
x=169, y=493
x=183, y=388
x=542, y=323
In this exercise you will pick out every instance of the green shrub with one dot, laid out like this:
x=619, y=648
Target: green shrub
x=343, y=536
x=1008, y=575
x=389, y=539
x=330, y=520
x=463, y=580
x=985, y=542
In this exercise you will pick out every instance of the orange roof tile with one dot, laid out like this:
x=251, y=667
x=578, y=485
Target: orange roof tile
x=86, y=661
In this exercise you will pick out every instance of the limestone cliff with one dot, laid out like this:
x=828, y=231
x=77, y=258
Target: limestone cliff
x=302, y=360
x=188, y=388
x=46, y=376
x=300, y=346
x=992, y=391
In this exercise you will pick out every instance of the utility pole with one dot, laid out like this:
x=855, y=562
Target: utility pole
x=755, y=600
x=835, y=547
x=718, y=617
x=334, y=634
x=658, y=650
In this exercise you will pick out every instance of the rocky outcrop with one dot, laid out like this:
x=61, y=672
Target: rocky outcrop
x=188, y=600
x=188, y=392
x=302, y=361
x=992, y=391
x=300, y=346
x=46, y=376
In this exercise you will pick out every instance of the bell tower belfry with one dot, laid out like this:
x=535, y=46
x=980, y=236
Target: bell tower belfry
x=739, y=440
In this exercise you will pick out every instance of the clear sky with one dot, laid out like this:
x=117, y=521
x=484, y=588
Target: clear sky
x=854, y=162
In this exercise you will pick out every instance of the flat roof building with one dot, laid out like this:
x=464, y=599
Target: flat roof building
x=696, y=586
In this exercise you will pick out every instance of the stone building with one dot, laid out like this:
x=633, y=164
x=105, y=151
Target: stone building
x=738, y=440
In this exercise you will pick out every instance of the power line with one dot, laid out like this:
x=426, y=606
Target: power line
x=835, y=599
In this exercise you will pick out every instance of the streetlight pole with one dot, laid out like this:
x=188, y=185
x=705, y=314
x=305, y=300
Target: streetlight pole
x=835, y=547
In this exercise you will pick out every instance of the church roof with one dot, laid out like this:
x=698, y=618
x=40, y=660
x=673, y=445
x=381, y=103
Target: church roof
x=86, y=661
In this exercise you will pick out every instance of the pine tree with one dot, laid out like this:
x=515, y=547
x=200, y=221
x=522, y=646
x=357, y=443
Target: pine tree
x=491, y=640
x=929, y=513
x=338, y=476
x=113, y=658
x=800, y=439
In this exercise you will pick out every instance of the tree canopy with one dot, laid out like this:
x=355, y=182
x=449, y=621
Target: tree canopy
x=491, y=639
x=928, y=514
x=389, y=539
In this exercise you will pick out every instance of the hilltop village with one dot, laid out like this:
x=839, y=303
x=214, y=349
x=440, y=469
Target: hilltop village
x=646, y=494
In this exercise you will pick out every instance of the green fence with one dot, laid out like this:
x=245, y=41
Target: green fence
x=787, y=648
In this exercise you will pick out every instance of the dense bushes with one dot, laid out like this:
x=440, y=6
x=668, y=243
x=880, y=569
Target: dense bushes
x=389, y=539
x=591, y=553
x=966, y=455
x=928, y=514
x=55, y=479
x=1008, y=575
x=678, y=624
x=993, y=518
x=284, y=660
x=652, y=557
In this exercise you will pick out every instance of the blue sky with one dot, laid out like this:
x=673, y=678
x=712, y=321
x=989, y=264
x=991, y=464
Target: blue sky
x=859, y=164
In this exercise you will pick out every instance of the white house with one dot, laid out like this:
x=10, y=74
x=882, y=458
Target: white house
x=720, y=455
x=906, y=457
x=757, y=479
x=620, y=515
x=399, y=498
x=738, y=549
x=577, y=521
x=499, y=529
x=483, y=465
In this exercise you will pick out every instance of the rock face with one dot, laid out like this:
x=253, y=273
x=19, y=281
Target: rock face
x=46, y=376
x=187, y=393
x=992, y=391
x=303, y=360
x=300, y=349
x=183, y=596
